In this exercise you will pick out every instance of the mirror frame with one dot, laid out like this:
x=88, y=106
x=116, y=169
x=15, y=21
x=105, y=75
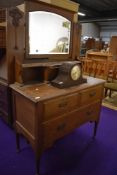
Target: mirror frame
x=40, y=6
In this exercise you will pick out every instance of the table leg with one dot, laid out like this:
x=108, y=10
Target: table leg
x=95, y=128
x=17, y=141
x=37, y=161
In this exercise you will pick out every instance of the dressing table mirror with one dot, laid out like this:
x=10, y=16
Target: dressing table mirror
x=49, y=33
x=45, y=37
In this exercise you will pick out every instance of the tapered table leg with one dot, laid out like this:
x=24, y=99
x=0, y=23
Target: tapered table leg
x=95, y=128
x=38, y=154
x=37, y=166
x=17, y=142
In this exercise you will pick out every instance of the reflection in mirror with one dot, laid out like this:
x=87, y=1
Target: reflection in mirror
x=49, y=33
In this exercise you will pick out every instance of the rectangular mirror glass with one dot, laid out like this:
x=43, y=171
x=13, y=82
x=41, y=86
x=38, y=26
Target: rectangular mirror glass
x=49, y=33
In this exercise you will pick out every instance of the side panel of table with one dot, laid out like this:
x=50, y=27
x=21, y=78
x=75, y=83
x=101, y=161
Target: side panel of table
x=5, y=104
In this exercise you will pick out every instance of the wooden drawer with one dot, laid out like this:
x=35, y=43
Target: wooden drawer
x=57, y=128
x=3, y=93
x=91, y=95
x=3, y=106
x=3, y=88
x=55, y=107
x=89, y=113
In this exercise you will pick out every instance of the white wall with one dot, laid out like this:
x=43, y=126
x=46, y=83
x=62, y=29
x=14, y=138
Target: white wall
x=107, y=33
x=90, y=30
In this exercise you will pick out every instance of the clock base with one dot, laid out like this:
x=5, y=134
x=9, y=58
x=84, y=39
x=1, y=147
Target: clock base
x=65, y=84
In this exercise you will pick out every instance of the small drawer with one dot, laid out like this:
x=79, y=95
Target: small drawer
x=3, y=106
x=3, y=88
x=91, y=95
x=3, y=98
x=89, y=113
x=60, y=105
x=3, y=92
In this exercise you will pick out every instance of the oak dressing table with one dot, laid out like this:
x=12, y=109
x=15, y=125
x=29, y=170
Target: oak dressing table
x=44, y=113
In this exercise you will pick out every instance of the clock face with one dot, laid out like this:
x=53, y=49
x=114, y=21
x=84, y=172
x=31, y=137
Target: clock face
x=75, y=72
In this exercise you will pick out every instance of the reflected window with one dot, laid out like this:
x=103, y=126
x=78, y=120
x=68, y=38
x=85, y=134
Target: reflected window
x=49, y=33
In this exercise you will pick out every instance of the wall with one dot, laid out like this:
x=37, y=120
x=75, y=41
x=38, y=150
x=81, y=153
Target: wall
x=108, y=29
x=90, y=30
x=104, y=30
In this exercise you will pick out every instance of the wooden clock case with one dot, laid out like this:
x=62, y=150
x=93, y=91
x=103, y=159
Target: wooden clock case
x=63, y=78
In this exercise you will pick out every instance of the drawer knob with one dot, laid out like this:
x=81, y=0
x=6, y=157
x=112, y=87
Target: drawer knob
x=61, y=126
x=89, y=112
x=62, y=105
x=92, y=94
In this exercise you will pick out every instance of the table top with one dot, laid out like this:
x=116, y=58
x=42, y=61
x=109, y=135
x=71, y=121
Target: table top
x=43, y=91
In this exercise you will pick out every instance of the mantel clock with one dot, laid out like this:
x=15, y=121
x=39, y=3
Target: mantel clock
x=70, y=74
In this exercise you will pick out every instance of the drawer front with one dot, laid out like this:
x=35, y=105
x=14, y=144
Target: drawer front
x=3, y=93
x=60, y=105
x=57, y=128
x=91, y=95
x=3, y=106
x=3, y=88
x=90, y=113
